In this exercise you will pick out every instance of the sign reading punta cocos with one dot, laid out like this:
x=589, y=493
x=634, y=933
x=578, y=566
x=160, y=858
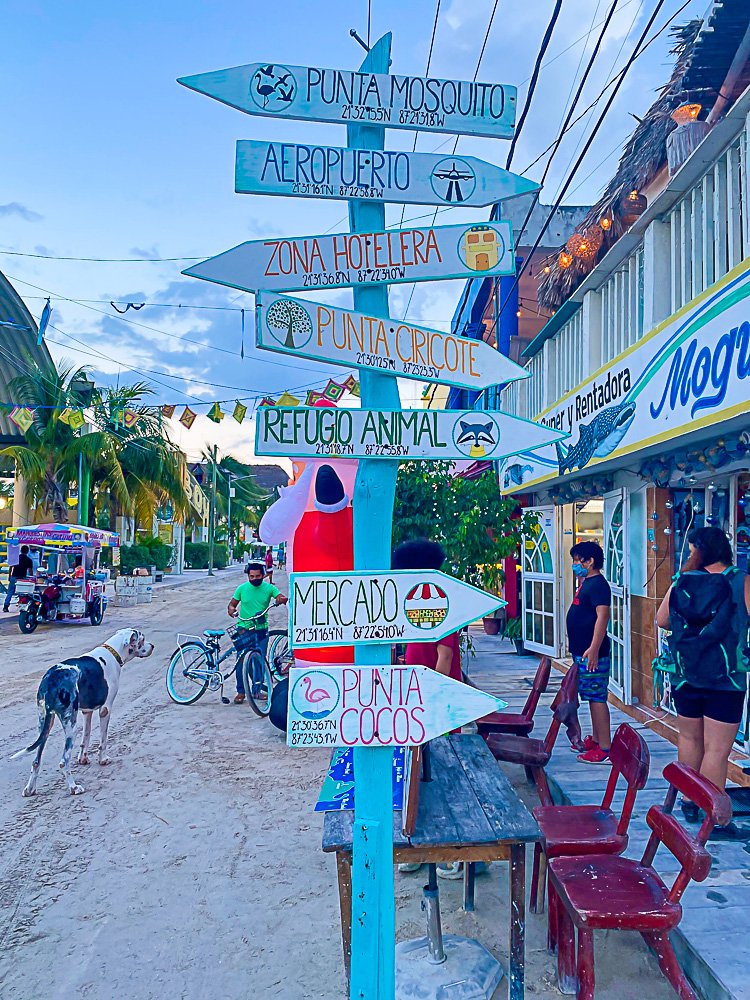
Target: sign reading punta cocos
x=335, y=95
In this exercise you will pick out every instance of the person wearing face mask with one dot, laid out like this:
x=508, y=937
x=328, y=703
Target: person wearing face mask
x=588, y=643
x=249, y=604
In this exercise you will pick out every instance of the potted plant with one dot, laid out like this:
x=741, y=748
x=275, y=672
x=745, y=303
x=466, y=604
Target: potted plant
x=514, y=632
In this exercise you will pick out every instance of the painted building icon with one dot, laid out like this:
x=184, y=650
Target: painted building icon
x=480, y=248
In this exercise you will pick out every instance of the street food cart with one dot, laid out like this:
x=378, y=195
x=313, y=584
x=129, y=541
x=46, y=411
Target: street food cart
x=67, y=583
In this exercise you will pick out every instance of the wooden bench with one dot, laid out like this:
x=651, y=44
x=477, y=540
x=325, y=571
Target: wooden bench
x=468, y=812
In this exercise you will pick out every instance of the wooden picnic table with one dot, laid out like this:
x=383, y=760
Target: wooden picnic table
x=468, y=812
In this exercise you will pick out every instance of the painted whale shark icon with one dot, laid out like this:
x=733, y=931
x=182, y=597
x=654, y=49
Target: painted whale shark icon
x=514, y=474
x=479, y=434
x=596, y=439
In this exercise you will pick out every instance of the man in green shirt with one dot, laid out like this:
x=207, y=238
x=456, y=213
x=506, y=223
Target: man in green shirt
x=249, y=604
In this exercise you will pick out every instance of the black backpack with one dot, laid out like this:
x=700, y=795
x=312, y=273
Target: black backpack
x=704, y=640
x=279, y=699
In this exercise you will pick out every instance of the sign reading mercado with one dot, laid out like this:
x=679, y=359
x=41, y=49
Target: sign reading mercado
x=301, y=431
x=389, y=346
x=336, y=609
x=392, y=175
x=690, y=372
x=310, y=93
x=382, y=706
x=342, y=259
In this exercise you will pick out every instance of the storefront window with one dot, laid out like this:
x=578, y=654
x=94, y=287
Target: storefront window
x=689, y=511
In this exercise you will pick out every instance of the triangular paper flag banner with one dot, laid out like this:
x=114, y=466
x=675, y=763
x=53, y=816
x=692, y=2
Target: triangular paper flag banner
x=333, y=391
x=312, y=397
x=22, y=417
x=168, y=411
x=130, y=418
x=349, y=382
x=215, y=414
x=355, y=390
x=65, y=415
x=188, y=417
x=267, y=401
x=239, y=411
x=287, y=399
x=76, y=419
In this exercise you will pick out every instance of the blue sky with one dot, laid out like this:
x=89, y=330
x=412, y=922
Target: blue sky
x=105, y=155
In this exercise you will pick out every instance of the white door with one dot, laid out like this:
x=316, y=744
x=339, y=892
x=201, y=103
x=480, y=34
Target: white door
x=616, y=572
x=539, y=585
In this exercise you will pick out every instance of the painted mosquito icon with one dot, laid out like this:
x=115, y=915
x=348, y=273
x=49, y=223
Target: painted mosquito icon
x=454, y=176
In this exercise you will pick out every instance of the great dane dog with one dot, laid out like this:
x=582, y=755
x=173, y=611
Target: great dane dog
x=88, y=683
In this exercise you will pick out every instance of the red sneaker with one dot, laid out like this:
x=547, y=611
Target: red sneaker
x=595, y=756
x=588, y=744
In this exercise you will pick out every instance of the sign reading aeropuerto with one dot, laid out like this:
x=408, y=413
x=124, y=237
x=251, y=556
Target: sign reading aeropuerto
x=394, y=255
x=388, y=346
x=311, y=93
x=303, y=431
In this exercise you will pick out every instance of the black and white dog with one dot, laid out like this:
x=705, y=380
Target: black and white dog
x=88, y=683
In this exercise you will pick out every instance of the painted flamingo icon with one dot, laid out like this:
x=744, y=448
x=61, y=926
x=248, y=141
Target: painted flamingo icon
x=314, y=695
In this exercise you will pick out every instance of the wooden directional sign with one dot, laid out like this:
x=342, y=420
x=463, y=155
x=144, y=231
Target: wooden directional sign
x=351, y=97
x=384, y=706
x=388, y=346
x=342, y=259
x=302, y=431
x=336, y=609
x=287, y=168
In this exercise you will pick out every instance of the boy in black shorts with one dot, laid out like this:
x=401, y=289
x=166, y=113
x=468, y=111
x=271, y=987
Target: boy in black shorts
x=586, y=623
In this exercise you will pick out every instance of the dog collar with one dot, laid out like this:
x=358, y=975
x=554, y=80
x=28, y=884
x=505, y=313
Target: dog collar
x=114, y=653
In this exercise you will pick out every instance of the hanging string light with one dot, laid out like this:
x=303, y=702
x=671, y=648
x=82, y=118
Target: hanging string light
x=686, y=113
x=586, y=245
x=565, y=259
x=606, y=223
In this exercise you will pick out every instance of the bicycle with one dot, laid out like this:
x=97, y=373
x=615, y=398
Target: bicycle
x=195, y=667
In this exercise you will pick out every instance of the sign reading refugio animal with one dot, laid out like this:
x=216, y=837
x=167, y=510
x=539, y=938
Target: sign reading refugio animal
x=391, y=347
x=336, y=609
x=342, y=259
x=312, y=171
x=382, y=706
x=307, y=431
x=310, y=93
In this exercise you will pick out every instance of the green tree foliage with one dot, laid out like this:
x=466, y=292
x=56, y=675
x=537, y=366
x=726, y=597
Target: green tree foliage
x=478, y=527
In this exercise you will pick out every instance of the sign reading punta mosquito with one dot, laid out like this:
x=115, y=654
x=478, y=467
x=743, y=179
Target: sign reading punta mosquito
x=309, y=93
x=337, y=609
x=286, y=168
x=391, y=347
x=344, y=259
x=301, y=431
x=379, y=706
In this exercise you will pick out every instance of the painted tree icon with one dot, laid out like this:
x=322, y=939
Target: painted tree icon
x=289, y=318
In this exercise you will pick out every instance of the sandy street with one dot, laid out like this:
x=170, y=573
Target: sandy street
x=191, y=867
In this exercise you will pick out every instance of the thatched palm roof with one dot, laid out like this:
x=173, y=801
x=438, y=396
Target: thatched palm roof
x=645, y=153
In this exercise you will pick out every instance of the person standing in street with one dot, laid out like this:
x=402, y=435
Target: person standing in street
x=269, y=564
x=707, y=610
x=20, y=571
x=249, y=604
x=588, y=642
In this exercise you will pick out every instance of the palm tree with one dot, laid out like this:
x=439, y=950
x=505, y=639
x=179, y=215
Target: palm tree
x=249, y=501
x=49, y=459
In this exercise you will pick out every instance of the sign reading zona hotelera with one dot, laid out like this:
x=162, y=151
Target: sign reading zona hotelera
x=352, y=97
x=306, y=432
x=336, y=609
x=312, y=171
x=385, y=706
x=391, y=347
x=343, y=259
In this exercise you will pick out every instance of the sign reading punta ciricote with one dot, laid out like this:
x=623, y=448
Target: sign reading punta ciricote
x=342, y=259
x=311, y=93
x=391, y=347
x=389, y=175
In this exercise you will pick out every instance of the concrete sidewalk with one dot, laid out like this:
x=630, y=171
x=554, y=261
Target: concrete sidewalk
x=711, y=941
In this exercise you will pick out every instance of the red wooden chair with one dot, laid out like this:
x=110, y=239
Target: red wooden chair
x=577, y=830
x=534, y=754
x=519, y=723
x=606, y=892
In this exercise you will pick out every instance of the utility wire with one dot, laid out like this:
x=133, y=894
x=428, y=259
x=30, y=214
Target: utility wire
x=102, y=260
x=534, y=77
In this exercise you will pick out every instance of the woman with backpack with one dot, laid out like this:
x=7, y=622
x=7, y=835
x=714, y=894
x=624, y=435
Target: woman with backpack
x=707, y=610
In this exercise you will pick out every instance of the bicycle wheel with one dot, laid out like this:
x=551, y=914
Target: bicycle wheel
x=186, y=673
x=278, y=654
x=257, y=681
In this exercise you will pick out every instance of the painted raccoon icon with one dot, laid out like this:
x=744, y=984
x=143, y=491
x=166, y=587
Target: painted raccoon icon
x=479, y=435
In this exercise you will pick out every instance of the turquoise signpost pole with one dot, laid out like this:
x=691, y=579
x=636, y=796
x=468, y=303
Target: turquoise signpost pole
x=373, y=907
